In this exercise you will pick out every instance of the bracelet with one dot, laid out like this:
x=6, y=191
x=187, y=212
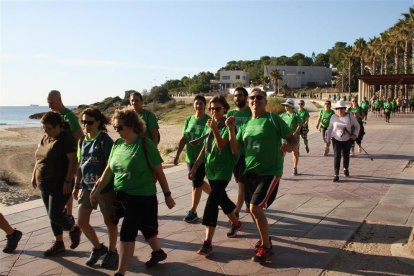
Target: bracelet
x=167, y=194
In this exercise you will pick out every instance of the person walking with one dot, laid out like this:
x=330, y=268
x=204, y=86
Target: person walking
x=261, y=138
x=219, y=162
x=53, y=173
x=323, y=122
x=357, y=111
x=151, y=122
x=365, y=107
x=193, y=129
x=242, y=113
x=93, y=154
x=342, y=131
x=54, y=100
x=135, y=163
x=13, y=236
x=292, y=119
x=388, y=110
x=303, y=114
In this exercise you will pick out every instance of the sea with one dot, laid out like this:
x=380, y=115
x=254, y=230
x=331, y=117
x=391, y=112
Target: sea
x=19, y=115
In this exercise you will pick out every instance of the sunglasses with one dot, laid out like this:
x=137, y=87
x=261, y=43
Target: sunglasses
x=86, y=122
x=257, y=97
x=219, y=108
x=118, y=128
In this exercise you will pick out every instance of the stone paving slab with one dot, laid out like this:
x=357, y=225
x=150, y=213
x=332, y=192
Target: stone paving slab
x=310, y=221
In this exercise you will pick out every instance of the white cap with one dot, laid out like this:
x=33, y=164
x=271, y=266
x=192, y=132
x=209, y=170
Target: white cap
x=340, y=104
x=289, y=102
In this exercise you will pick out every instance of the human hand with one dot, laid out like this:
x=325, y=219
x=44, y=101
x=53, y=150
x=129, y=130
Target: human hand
x=34, y=184
x=286, y=148
x=176, y=160
x=67, y=187
x=75, y=193
x=212, y=123
x=169, y=201
x=230, y=122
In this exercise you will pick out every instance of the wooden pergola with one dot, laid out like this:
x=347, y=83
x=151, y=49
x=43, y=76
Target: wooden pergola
x=366, y=81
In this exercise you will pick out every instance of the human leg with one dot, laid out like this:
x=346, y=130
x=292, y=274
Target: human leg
x=295, y=154
x=5, y=226
x=337, y=156
x=345, y=146
x=13, y=236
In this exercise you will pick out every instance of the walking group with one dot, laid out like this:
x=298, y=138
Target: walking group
x=76, y=158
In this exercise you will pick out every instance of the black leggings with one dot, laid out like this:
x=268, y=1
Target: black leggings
x=341, y=148
x=218, y=196
x=55, y=202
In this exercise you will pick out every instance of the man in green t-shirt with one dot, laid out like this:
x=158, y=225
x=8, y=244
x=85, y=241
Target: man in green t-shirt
x=323, y=121
x=151, y=122
x=54, y=100
x=261, y=138
x=242, y=114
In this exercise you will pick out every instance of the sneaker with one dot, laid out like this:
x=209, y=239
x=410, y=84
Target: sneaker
x=336, y=178
x=57, y=247
x=156, y=257
x=191, y=216
x=12, y=241
x=307, y=149
x=295, y=171
x=235, y=227
x=263, y=254
x=259, y=243
x=206, y=249
x=96, y=254
x=74, y=236
x=111, y=259
x=346, y=172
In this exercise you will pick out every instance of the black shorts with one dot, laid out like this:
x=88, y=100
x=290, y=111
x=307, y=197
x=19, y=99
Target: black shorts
x=141, y=213
x=239, y=168
x=199, y=176
x=260, y=190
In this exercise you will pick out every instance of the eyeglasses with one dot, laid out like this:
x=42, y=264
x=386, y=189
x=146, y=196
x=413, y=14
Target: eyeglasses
x=218, y=108
x=86, y=122
x=257, y=97
x=118, y=128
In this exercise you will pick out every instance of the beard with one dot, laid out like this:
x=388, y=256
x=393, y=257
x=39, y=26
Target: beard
x=241, y=103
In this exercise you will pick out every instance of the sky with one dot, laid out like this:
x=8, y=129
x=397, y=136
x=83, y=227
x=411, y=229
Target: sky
x=90, y=50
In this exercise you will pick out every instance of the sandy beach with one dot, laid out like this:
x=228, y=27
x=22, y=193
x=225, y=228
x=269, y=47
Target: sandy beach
x=18, y=145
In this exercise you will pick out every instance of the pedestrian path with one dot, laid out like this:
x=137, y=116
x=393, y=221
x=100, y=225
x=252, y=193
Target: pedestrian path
x=310, y=221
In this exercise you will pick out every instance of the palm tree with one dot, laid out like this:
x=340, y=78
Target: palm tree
x=359, y=49
x=409, y=20
x=275, y=76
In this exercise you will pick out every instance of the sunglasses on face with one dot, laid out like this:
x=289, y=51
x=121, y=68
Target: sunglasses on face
x=118, y=128
x=257, y=97
x=86, y=122
x=218, y=108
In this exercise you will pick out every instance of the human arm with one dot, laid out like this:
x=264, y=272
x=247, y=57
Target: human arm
x=70, y=173
x=34, y=183
x=231, y=125
x=181, y=145
x=290, y=143
x=354, y=122
x=78, y=134
x=319, y=121
x=220, y=141
x=101, y=183
x=159, y=173
x=329, y=131
x=78, y=185
x=154, y=136
x=197, y=163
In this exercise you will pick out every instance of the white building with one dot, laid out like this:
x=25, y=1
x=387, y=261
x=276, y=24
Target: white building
x=302, y=76
x=231, y=79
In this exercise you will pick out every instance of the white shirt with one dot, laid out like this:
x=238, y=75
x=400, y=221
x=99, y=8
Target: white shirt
x=340, y=127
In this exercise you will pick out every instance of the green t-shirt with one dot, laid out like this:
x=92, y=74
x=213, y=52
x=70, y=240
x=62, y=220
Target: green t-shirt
x=292, y=120
x=193, y=129
x=387, y=107
x=150, y=120
x=261, y=138
x=357, y=112
x=303, y=115
x=394, y=103
x=70, y=117
x=377, y=104
x=219, y=163
x=365, y=105
x=241, y=118
x=411, y=102
x=325, y=116
x=130, y=167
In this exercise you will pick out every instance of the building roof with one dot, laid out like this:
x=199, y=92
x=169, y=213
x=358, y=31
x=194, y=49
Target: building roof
x=388, y=79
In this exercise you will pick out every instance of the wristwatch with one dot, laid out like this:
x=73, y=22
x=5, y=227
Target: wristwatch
x=167, y=194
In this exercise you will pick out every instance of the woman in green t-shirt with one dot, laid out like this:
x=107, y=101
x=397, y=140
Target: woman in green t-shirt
x=135, y=164
x=193, y=129
x=323, y=121
x=387, y=110
x=219, y=162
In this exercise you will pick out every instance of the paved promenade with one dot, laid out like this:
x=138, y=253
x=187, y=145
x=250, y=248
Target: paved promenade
x=310, y=221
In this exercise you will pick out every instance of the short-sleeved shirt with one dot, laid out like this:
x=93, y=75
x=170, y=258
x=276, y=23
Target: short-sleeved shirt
x=377, y=104
x=219, y=163
x=93, y=155
x=70, y=117
x=325, y=116
x=150, y=120
x=193, y=129
x=388, y=107
x=52, y=162
x=132, y=173
x=303, y=115
x=292, y=120
x=357, y=111
x=365, y=105
x=241, y=118
x=261, y=138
